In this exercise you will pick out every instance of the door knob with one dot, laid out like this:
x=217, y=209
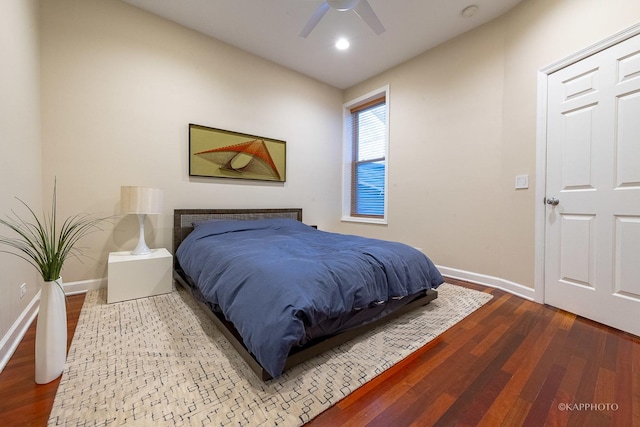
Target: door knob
x=553, y=201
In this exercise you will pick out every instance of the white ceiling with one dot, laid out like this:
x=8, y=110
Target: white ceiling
x=270, y=29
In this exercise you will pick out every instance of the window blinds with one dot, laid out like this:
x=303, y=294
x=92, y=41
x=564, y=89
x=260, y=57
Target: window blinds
x=369, y=124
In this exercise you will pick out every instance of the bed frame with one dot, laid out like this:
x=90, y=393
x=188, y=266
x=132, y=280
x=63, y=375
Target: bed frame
x=183, y=219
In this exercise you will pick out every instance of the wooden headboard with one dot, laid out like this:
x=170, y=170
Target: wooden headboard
x=183, y=218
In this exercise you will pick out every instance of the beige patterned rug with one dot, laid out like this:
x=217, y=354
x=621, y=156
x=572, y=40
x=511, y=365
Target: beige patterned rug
x=160, y=361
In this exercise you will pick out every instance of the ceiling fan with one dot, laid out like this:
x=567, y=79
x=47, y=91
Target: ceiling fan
x=362, y=8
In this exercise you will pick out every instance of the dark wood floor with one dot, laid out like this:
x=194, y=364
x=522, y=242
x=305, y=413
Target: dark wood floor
x=22, y=401
x=513, y=362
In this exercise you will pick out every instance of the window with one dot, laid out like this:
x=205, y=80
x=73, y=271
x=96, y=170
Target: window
x=366, y=159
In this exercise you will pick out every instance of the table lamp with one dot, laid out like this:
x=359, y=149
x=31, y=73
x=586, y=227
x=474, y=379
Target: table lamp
x=140, y=201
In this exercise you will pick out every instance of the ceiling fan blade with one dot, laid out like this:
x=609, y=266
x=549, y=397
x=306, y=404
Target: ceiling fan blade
x=315, y=18
x=366, y=13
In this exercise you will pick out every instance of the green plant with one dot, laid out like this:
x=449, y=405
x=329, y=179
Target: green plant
x=41, y=243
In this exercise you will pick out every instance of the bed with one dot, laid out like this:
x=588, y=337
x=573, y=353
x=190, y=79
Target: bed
x=282, y=291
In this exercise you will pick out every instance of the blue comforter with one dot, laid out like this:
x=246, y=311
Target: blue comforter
x=270, y=277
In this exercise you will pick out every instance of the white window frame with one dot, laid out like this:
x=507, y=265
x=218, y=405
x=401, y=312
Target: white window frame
x=347, y=157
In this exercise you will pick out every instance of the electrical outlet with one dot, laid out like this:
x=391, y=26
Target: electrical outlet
x=23, y=290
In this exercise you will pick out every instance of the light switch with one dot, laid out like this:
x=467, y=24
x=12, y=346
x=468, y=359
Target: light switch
x=522, y=181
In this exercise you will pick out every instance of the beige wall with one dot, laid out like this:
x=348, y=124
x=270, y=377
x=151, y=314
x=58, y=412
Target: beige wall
x=463, y=125
x=20, y=166
x=120, y=87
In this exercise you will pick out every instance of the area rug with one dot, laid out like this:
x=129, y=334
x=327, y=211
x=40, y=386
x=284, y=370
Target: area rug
x=161, y=361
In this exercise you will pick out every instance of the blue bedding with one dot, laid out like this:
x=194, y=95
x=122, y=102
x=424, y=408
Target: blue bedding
x=274, y=278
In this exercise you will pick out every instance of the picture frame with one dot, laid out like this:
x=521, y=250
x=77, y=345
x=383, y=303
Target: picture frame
x=223, y=153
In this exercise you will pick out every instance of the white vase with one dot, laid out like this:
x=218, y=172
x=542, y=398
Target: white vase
x=51, y=333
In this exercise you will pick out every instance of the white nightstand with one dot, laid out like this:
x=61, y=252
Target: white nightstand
x=138, y=276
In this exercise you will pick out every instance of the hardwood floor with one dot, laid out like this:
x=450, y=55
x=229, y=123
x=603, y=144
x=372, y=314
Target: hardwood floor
x=22, y=401
x=513, y=362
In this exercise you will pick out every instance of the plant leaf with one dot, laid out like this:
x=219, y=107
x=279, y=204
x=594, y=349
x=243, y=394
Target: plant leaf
x=41, y=244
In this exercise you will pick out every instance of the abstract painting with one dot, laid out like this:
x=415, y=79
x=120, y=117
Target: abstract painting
x=226, y=154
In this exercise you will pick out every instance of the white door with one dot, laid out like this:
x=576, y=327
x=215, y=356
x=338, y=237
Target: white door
x=592, y=233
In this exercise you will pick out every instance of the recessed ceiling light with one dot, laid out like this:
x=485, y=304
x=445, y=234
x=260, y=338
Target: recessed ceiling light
x=342, y=44
x=469, y=11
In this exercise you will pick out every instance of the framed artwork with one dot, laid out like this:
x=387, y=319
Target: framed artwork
x=226, y=154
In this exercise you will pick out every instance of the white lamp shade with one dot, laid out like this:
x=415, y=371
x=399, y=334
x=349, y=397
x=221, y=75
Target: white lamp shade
x=140, y=200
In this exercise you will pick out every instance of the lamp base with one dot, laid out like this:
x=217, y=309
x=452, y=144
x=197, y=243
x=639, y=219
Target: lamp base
x=141, y=248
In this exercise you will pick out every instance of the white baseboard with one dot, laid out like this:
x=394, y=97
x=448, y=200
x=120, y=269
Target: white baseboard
x=83, y=286
x=17, y=331
x=19, y=328
x=494, y=282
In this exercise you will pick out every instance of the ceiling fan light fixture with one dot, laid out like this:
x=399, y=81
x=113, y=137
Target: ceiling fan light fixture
x=362, y=8
x=343, y=5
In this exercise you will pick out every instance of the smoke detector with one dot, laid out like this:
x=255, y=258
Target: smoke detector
x=469, y=11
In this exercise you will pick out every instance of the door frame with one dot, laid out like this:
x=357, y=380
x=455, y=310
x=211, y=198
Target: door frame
x=541, y=146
